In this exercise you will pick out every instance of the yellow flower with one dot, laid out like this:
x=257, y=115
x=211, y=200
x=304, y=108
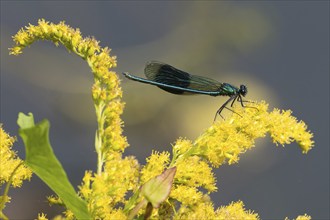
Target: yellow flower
x=223, y=143
x=102, y=189
x=225, y=140
x=155, y=165
x=115, y=214
x=69, y=215
x=234, y=211
x=107, y=190
x=59, y=217
x=201, y=210
x=196, y=173
x=54, y=200
x=42, y=216
x=181, y=146
x=186, y=195
x=285, y=128
x=301, y=217
x=304, y=217
x=85, y=188
x=9, y=161
x=106, y=91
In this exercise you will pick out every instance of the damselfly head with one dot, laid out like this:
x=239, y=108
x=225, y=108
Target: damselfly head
x=242, y=90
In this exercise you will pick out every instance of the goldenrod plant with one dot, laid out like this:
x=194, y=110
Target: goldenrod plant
x=171, y=185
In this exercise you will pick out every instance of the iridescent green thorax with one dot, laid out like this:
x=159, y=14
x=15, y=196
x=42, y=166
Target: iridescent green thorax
x=228, y=90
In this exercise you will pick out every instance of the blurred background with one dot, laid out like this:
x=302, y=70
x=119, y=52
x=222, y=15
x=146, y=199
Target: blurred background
x=278, y=49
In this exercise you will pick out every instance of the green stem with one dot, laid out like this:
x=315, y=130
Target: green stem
x=183, y=156
x=5, y=193
x=99, y=136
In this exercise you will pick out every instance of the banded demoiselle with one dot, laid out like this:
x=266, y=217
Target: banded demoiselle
x=179, y=82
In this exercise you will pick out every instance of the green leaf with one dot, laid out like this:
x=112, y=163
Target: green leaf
x=42, y=160
x=25, y=121
x=157, y=189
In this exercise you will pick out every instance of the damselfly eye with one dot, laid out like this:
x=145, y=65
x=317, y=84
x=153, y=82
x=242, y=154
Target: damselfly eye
x=243, y=90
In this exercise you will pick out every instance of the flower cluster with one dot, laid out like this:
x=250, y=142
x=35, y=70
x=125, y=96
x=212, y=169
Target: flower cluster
x=226, y=140
x=106, y=91
x=222, y=143
x=12, y=169
x=105, y=192
x=9, y=162
x=104, y=187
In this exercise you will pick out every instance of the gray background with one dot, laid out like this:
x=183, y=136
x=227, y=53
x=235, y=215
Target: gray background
x=279, y=49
